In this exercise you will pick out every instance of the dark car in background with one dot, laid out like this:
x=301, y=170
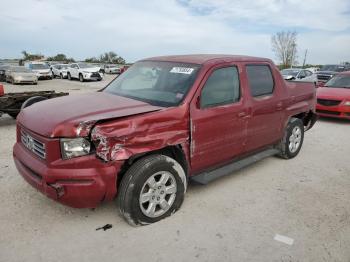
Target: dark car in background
x=328, y=71
x=3, y=69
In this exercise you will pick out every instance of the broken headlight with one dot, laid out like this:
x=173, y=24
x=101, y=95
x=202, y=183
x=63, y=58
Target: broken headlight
x=74, y=147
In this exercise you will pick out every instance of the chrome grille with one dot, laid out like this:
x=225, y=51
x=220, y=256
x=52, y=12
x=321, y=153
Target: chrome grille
x=32, y=144
x=323, y=78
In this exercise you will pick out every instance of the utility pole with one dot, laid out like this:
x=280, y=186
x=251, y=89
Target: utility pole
x=305, y=58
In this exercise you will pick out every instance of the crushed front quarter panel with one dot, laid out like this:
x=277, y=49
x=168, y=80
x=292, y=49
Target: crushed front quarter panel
x=119, y=140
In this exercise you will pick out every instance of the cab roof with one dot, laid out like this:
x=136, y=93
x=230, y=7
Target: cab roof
x=204, y=58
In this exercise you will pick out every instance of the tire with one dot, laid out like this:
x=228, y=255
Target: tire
x=293, y=139
x=81, y=78
x=32, y=100
x=138, y=179
x=69, y=76
x=61, y=75
x=13, y=114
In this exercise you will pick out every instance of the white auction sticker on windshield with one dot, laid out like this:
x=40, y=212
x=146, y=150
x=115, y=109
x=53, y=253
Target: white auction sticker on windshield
x=182, y=70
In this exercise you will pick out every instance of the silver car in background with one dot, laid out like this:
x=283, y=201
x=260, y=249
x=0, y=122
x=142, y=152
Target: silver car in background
x=298, y=74
x=20, y=75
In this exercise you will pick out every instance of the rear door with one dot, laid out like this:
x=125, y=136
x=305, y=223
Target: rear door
x=218, y=123
x=265, y=124
x=74, y=70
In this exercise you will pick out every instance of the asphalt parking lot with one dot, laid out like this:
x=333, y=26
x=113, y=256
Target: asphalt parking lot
x=236, y=218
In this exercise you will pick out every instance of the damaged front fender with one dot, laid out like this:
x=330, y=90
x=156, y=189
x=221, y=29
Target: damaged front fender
x=123, y=138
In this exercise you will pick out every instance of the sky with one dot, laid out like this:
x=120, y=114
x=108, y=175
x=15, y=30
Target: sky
x=139, y=29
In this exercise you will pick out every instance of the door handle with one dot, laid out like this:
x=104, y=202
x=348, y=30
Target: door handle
x=243, y=114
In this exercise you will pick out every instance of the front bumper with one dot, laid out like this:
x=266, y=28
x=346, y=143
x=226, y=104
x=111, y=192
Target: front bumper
x=83, y=182
x=92, y=76
x=339, y=111
x=44, y=77
x=25, y=80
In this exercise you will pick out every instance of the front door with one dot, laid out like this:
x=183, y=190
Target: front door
x=218, y=119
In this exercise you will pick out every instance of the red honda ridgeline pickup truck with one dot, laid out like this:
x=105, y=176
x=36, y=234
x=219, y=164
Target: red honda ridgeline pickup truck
x=163, y=122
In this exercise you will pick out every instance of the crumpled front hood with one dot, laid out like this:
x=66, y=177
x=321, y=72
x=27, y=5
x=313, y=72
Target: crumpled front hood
x=74, y=115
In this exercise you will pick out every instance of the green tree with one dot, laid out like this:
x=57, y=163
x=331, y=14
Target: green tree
x=107, y=57
x=31, y=57
x=61, y=58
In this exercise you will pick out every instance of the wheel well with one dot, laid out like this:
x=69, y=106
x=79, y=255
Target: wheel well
x=176, y=152
x=306, y=117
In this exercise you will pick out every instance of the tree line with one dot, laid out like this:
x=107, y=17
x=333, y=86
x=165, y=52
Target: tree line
x=107, y=57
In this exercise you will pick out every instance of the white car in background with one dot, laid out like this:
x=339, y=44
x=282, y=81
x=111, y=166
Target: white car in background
x=298, y=74
x=313, y=69
x=83, y=72
x=111, y=69
x=59, y=70
x=41, y=69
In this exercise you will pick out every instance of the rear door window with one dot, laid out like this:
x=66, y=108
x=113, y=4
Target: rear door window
x=260, y=80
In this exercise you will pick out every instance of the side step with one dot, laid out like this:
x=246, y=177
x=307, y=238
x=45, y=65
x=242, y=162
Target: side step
x=206, y=177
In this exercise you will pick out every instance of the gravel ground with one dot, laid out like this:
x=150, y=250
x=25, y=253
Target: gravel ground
x=234, y=218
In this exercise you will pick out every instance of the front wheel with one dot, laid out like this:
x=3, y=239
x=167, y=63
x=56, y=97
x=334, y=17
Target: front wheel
x=152, y=189
x=81, y=78
x=69, y=76
x=293, y=139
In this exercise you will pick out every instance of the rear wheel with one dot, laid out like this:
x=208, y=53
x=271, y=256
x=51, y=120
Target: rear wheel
x=293, y=139
x=152, y=189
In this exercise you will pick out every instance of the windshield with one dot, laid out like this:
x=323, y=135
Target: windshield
x=157, y=83
x=336, y=68
x=83, y=65
x=20, y=69
x=60, y=67
x=289, y=72
x=39, y=66
x=339, y=81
